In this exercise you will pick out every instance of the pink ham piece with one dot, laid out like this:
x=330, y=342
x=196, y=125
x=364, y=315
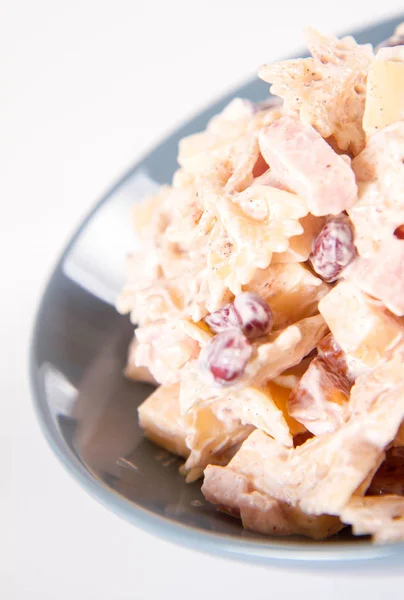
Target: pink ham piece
x=302, y=161
x=237, y=493
x=382, y=275
x=379, y=516
x=320, y=399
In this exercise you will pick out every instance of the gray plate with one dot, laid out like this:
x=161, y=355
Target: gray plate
x=87, y=409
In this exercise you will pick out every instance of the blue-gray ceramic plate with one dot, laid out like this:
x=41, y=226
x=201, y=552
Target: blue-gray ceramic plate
x=88, y=410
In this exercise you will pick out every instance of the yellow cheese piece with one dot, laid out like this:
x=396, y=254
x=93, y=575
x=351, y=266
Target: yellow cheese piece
x=159, y=416
x=361, y=325
x=384, y=95
x=204, y=435
x=280, y=396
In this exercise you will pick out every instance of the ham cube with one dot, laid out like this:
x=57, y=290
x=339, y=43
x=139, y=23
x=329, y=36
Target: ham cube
x=302, y=161
x=382, y=275
x=258, y=485
x=379, y=516
x=238, y=495
x=320, y=399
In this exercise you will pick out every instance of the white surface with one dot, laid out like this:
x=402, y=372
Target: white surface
x=87, y=87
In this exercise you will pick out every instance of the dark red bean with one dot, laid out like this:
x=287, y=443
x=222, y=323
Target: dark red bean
x=225, y=357
x=333, y=248
x=248, y=312
x=399, y=232
x=254, y=314
x=224, y=318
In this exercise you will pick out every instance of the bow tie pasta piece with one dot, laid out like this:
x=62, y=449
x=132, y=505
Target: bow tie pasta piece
x=157, y=300
x=291, y=291
x=257, y=407
x=227, y=151
x=157, y=219
x=326, y=91
x=167, y=278
x=253, y=241
x=285, y=349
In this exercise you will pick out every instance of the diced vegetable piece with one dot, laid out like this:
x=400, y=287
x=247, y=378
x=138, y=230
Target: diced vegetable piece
x=159, y=416
x=385, y=95
x=360, y=324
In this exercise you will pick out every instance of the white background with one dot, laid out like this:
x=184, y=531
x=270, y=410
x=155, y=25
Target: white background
x=86, y=88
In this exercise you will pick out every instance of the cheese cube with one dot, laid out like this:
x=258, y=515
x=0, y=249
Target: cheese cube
x=159, y=416
x=384, y=95
x=361, y=325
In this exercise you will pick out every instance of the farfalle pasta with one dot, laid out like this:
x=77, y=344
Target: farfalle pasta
x=267, y=293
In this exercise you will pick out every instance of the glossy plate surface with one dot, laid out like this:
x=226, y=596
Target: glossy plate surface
x=89, y=411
